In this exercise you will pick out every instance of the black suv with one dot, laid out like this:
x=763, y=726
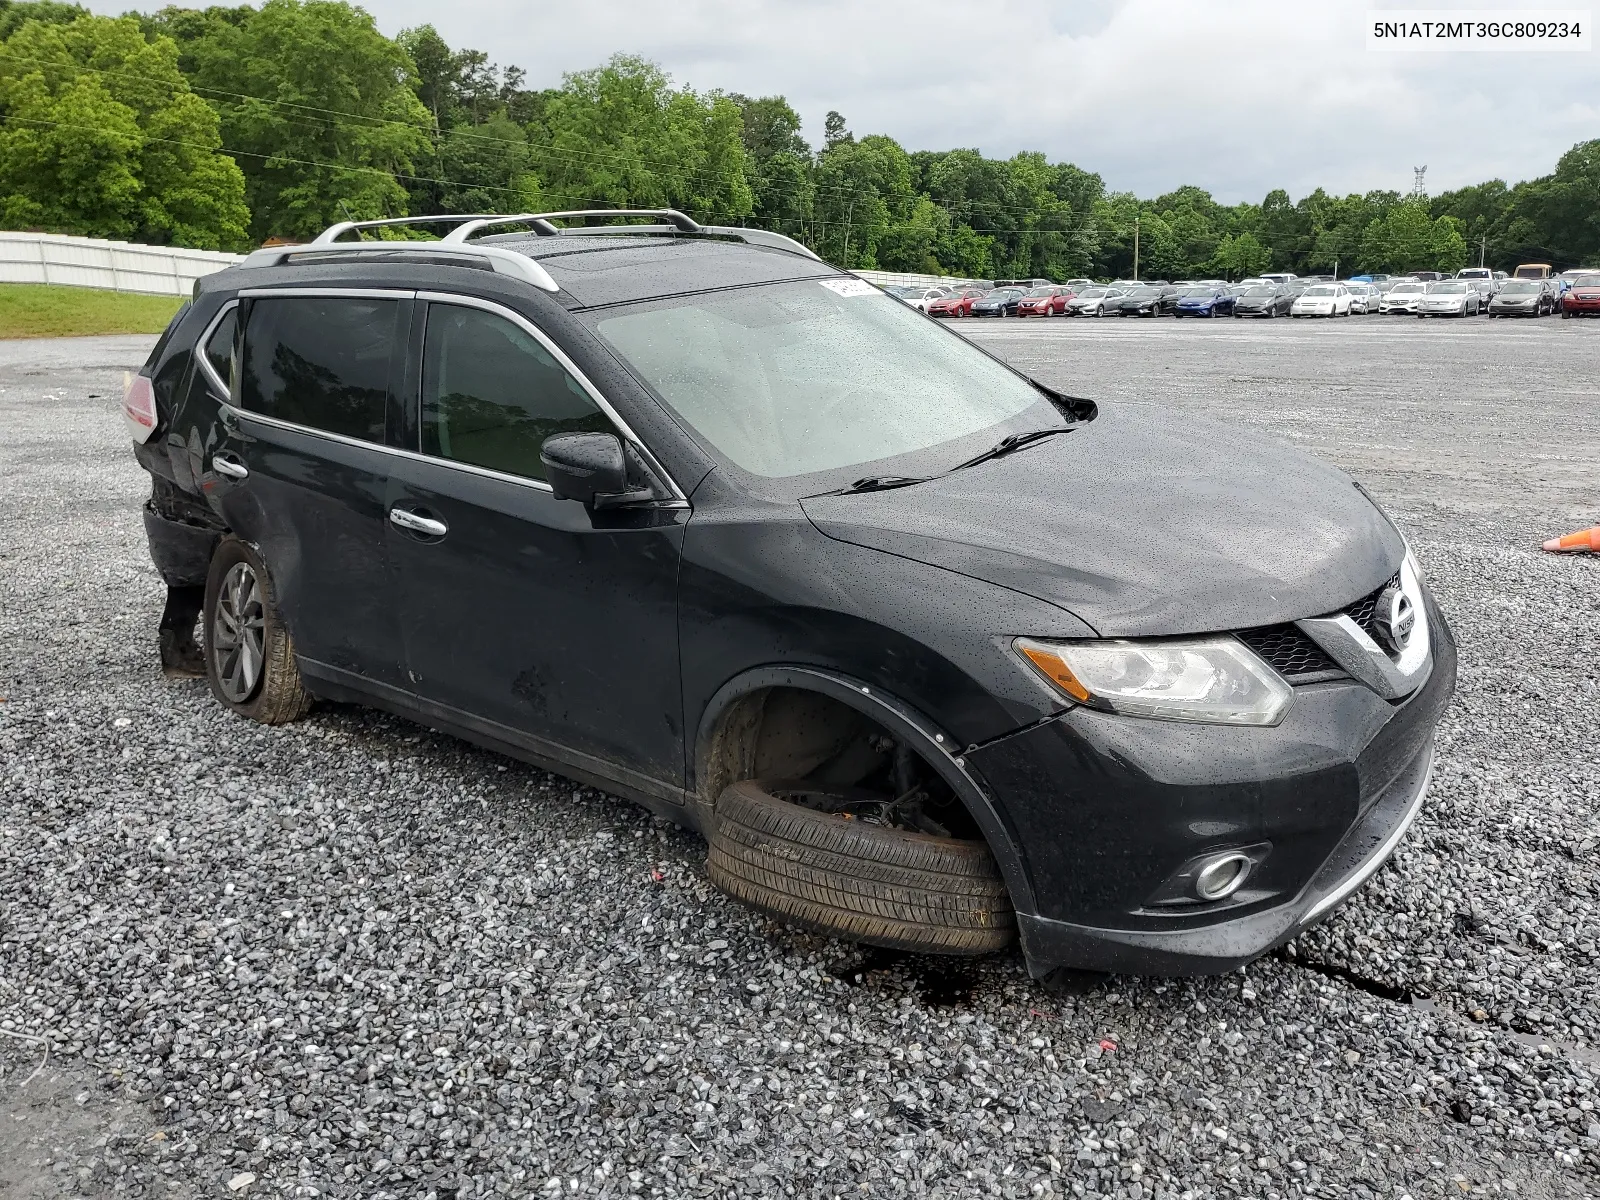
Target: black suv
x=931, y=654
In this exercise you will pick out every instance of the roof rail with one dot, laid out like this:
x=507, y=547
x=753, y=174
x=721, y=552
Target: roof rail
x=541, y=221
x=499, y=259
x=762, y=237
x=334, y=232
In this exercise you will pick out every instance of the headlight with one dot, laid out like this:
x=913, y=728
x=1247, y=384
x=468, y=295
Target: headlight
x=1215, y=680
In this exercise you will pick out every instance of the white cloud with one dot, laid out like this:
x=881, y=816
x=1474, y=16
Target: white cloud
x=1235, y=97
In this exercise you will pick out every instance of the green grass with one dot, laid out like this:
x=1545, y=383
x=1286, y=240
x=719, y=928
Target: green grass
x=30, y=310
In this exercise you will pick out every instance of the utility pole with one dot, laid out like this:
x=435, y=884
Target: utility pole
x=1336, y=270
x=1136, y=247
x=1483, y=246
x=848, y=213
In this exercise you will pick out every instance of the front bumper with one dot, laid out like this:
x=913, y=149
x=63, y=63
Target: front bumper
x=1106, y=810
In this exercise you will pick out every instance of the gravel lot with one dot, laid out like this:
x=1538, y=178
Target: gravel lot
x=354, y=958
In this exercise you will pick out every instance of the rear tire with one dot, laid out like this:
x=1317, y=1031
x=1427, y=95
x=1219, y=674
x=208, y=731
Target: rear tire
x=249, y=655
x=866, y=883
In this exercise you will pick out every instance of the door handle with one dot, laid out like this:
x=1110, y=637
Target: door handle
x=416, y=523
x=227, y=463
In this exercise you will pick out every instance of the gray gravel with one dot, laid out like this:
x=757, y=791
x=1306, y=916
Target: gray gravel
x=350, y=957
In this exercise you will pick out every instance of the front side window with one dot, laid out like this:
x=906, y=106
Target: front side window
x=492, y=393
x=794, y=378
x=321, y=361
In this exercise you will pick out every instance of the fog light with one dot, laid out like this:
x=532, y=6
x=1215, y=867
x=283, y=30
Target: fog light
x=1222, y=876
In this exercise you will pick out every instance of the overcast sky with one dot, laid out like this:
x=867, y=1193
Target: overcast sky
x=1237, y=97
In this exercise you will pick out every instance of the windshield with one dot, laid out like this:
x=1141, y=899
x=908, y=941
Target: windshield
x=1092, y=294
x=1041, y=293
x=1520, y=289
x=1586, y=281
x=793, y=378
x=1449, y=287
x=1319, y=291
x=1408, y=287
x=1197, y=291
x=1143, y=293
x=1262, y=291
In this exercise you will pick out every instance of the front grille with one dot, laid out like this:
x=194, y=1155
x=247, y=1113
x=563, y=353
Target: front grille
x=1288, y=651
x=1363, y=610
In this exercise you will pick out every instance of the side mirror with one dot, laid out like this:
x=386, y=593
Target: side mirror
x=589, y=468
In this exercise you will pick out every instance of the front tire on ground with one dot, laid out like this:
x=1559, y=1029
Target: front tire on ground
x=864, y=882
x=248, y=652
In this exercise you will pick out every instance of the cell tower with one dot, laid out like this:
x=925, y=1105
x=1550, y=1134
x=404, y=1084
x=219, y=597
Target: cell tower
x=1418, y=188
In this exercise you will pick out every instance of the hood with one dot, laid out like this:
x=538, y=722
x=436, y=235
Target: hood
x=1255, y=301
x=1196, y=301
x=1141, y=525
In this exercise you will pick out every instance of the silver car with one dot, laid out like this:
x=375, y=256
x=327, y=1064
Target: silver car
x=1093, y=302
x=1450, y=298
x=1364, y=298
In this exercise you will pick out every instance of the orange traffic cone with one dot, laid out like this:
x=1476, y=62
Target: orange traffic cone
x=1584, y=539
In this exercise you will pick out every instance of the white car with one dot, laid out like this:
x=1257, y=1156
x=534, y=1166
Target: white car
x=1403, y=297
x=1450, y=298
x=1282, y=278
x=1092, y=301
x=1322, y=300
x=919, y=298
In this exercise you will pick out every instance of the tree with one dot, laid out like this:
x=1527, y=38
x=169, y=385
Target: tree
x=1447, y=249
x=622, y=135
x=863, y=192
x=778, y=163
x=1565, y=207
x=489, y=168
x=103, y=137
x=317, y=104
x=1238, y=257
x=833, y=129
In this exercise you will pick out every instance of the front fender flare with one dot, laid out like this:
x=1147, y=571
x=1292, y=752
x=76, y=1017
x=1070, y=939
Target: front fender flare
x=937, y=747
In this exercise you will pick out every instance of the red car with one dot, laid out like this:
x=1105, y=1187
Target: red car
x=1044, y=302
x=957, y=304
x=1583, y=300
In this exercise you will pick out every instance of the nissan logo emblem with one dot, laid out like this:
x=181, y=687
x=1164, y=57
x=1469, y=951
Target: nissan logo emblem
x=1394, y=617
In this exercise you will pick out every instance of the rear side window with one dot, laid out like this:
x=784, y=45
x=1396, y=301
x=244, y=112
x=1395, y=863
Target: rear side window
x=321, y=361
x=221, y=349
x=491, y=393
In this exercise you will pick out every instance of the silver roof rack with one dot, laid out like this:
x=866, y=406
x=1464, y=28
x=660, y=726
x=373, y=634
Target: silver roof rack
x=502, y=259
x=681, y=222
x=334, y=232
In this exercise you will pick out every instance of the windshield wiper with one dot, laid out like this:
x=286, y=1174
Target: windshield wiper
x=1009, y=444
x=878, y=483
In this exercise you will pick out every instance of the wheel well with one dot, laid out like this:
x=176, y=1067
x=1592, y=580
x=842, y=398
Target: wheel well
x=797, y=736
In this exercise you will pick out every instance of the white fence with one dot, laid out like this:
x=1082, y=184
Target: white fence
x=884, y=278
x=97, y=263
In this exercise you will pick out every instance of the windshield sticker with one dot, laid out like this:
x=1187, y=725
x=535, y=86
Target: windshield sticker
x=849, y=287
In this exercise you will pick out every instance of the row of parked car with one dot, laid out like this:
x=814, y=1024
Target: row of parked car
x=1470, y=292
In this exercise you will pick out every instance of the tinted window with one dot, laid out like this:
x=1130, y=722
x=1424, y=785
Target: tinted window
x=491, y=393
x=221, y=350
x=321, y=361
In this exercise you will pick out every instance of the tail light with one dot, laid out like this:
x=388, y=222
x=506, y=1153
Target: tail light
x=139, y=406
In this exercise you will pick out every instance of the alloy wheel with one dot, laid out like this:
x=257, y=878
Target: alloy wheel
x=238, y=633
